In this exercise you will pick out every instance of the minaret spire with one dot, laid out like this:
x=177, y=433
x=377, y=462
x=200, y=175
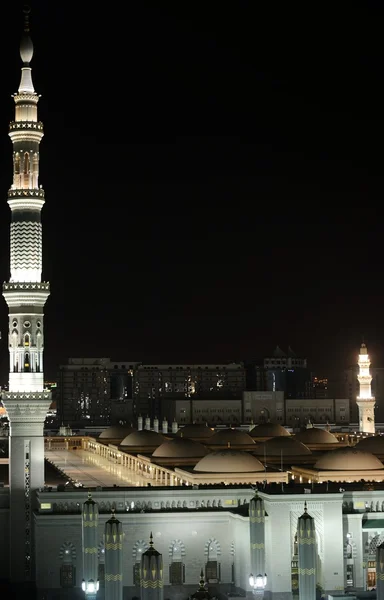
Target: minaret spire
x=365, y=401
x=27, y=401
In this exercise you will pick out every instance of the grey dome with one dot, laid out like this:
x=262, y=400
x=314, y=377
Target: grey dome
x=180, y=448
x=348, y=459
x=372, y=443
x=144, y=437
x=316, y=435
x=268, y=430
x=116, y=432
x=195, y=430
x=229, y=461
x=287, y=446
x=233, y=436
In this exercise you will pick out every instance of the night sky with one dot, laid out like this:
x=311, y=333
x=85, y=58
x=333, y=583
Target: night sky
x=213, y=178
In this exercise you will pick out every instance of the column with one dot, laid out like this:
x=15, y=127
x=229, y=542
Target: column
x=113, y=543
x=90, y=539
x=257, y=535
x=306, y=538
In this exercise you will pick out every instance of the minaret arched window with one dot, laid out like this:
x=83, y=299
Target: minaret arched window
x=26, y=163
x=26, y=169
x=27, y=364
x=17, y=163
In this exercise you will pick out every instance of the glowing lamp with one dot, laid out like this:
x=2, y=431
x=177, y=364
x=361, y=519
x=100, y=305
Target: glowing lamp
x=90, y=587
x=259, y=582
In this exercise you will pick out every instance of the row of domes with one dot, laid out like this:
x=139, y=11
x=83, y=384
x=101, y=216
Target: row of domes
x=128, y=435
x=359, y=457
x=340, y=459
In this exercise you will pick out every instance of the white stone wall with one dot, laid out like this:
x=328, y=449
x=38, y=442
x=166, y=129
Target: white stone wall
x=227, y=533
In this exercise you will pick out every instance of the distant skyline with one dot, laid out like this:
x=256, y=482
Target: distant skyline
x=213, y=180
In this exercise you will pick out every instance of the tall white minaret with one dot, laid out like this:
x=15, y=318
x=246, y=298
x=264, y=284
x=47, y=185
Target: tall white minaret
x=365, y=401
x=27, y=401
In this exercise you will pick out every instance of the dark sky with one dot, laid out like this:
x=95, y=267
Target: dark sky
x=213, y=177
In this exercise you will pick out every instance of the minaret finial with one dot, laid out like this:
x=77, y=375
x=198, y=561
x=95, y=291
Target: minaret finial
x=89, y=494
x=151, y=540
x=305, y=506
x=202, y=582
x=26, y=11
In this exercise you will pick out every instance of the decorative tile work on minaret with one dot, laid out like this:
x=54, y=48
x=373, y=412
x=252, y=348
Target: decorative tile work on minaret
x=27, y=401
x=306, y=538
x=90, y=538
x=380, y=572
x=113, y=544
x=151, y=579
x=365, y=401
x=257, y=534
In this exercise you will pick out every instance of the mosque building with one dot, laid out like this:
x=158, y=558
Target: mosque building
x=178, y=513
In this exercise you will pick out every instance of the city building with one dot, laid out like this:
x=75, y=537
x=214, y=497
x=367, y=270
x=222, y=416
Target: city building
x=281, y=372
x=319, y=387
x=294, y=412
x=94, y=391
x=155, y=387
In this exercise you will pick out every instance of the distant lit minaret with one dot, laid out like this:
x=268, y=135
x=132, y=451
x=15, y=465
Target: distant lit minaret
x=26, y=401
x=365, y=401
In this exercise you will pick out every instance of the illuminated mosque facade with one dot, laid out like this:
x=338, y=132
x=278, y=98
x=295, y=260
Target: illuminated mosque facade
x=211, y=512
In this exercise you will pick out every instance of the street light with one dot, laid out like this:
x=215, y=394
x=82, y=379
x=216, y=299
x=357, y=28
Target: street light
x=258, y=583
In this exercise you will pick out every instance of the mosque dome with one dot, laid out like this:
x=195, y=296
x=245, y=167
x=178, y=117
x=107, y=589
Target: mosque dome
x=195, y=430
x=180, y=448
x=229, y=461
x=316, y=435
x=116, y=432
x=232, y=436
x=372, y=443
x=268, y=430
x=287, y=446
x=144, y=437
x=348, y=459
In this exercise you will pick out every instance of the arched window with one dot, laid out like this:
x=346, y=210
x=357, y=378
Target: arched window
x=101, y=565
x=67, y=568
x=26, y=164
x=177, y=566
x=139, y=547
x=27, y=364
x=212, y=567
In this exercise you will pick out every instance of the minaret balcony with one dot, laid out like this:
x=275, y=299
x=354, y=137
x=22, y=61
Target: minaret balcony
x=26, y=293
x=24, y=199
x=15, y=125
x=26, y=192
